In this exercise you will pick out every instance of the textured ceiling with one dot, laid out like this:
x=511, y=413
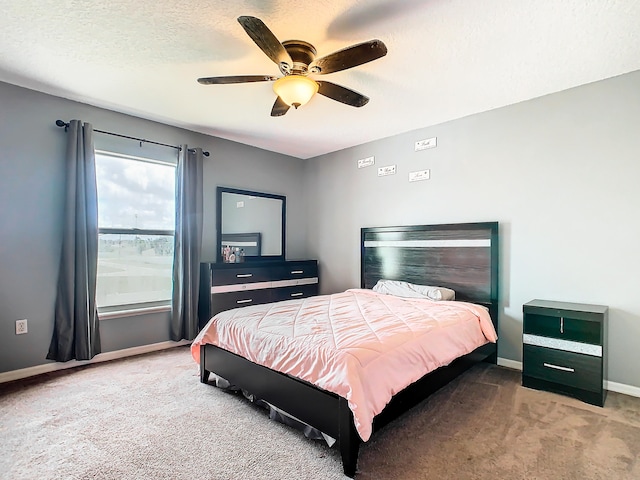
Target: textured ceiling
x=447, y=59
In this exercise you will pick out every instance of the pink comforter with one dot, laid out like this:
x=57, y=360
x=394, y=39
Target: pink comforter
x=359, y=344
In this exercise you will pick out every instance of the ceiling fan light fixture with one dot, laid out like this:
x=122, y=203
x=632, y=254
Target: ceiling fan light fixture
x=295, y=90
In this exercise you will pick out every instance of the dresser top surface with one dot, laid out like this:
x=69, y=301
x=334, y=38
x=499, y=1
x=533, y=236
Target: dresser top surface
x=581, y=307
x=258, y=263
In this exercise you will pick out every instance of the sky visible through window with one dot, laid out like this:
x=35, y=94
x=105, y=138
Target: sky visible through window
x=135, y=194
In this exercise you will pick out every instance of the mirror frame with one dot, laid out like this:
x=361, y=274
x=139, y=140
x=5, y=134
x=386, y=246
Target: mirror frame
x=222, y=190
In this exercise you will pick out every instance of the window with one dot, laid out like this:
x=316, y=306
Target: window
x=136, y=222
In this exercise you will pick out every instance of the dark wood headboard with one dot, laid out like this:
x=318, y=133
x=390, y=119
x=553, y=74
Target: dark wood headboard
x=463, y=257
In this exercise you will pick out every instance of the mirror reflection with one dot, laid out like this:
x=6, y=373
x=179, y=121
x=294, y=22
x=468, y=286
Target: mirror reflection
x=251, y=225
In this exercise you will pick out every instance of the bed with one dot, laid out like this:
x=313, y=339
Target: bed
x=460, y=257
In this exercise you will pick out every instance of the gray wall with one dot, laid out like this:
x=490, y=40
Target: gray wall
x=31, y=194
x=560, y=173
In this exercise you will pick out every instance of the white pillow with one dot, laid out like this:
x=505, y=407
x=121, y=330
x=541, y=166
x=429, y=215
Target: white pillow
x=411, y=290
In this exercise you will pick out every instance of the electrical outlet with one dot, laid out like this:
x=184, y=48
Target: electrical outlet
x=21, y=327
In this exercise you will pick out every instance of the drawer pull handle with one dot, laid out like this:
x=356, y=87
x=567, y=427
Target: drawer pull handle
x=298, y=294
x=558, y=367
x=297, y=272
x=561, y=324
x=244, y=275
x=249, y=300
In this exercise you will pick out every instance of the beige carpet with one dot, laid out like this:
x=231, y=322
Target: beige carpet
x=149, y=417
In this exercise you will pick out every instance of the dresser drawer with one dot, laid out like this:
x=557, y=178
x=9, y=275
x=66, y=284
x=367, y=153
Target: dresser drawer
x=294, y=270
x=291, y=293
x=566, y=368
x=248, y=274
x=226, y=301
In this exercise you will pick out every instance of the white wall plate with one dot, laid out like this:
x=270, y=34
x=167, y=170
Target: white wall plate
x=366, y=162
x=419, y=175
x=428, y=143
x=388, y=170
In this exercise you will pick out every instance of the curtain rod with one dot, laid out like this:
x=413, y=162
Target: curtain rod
x=61, y=123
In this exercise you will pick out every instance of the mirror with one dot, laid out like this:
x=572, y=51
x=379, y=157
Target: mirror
x=250, y=225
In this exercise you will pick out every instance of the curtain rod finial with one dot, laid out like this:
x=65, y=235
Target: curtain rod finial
x=61, y=123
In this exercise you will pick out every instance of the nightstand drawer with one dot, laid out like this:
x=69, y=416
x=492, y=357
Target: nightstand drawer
x=566, y=368
x=563, y=327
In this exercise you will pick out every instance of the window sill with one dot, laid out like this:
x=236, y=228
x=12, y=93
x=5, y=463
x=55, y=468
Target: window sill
x=132, y=312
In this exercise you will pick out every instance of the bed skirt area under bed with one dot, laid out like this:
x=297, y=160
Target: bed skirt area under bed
x=274, y=412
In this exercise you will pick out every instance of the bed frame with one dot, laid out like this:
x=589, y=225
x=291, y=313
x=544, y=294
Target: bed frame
x=463, y=257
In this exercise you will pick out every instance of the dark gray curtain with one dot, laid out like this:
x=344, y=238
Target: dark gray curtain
x=76, y=333
x=188, y=243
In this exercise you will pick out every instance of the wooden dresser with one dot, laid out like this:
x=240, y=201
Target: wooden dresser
x=565, y=349
x=224, y=286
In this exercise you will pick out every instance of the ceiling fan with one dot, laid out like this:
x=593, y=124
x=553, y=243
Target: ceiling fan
x=296, y=60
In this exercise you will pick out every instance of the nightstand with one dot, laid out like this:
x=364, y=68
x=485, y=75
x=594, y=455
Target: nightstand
x=564, y=349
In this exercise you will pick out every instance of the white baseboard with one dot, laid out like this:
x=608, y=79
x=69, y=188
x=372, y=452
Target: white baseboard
x=608, y=385
x=622, y=388
x=102, y=357
x=505, y=362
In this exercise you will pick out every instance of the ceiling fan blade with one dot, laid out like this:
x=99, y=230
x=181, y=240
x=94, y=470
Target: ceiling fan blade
x=342, y=94
x=349, y=57
x=266, y=40
x=236, y=79
x=279, y=108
